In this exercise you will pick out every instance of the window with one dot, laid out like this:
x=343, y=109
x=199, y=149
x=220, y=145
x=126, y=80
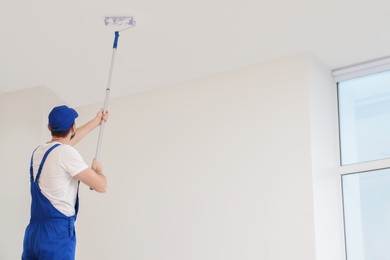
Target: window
x=364, y=113
x=364, y=131
x=367, y=215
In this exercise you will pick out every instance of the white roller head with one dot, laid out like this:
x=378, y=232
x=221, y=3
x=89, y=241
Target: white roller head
x=119, y=21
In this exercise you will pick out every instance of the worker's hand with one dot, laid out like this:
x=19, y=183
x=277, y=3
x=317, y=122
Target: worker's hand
x=97, y=166
x=101, y=116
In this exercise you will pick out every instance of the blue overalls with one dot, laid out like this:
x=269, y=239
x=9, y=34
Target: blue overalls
x=50, y=234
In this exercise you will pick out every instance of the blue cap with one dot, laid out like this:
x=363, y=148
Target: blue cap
x=62, y=118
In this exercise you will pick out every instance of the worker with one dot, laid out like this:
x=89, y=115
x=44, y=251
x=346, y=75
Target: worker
x=55, y=173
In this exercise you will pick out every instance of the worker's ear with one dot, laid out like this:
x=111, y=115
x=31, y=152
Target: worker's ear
x=73, y=131
x=48, y=127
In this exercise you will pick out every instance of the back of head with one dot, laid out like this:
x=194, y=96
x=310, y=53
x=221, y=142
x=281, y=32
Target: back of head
x=61, y=119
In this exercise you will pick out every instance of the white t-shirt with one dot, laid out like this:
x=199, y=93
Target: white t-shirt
x=56, y=181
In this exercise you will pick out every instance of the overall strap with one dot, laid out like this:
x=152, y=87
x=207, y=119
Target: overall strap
x=31, y=167
x=44, y=159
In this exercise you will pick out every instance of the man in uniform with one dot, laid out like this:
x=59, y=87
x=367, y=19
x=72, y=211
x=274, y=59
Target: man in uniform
x=55, y=173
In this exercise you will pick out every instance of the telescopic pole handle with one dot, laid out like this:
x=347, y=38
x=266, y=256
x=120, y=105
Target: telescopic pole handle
x=101, y=130
x=116, y=38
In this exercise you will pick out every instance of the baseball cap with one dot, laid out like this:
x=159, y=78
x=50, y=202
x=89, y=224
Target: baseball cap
x=62, y=118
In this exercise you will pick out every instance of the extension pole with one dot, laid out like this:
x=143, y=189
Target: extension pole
x=101, y=130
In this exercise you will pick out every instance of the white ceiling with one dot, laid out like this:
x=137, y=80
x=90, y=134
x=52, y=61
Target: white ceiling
x=63, y=44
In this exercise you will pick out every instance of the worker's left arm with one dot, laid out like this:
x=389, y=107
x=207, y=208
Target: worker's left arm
x=83, y=130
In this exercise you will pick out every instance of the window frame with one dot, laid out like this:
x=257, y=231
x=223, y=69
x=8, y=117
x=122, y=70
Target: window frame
x=348, y=73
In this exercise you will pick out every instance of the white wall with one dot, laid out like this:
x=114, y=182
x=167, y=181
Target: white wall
x=325, y=154
x=217, y=168
x=22, y=128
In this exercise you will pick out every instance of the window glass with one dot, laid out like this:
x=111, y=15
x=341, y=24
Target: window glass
x=367, y=215
x=364, y=114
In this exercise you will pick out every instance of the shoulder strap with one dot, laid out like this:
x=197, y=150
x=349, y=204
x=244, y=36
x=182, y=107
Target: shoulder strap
x=31, y=166
x=44, y=159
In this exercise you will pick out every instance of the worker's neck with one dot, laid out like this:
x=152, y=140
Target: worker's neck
x=63, y=140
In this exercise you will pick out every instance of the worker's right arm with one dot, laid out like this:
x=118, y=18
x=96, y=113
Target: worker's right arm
x=83, y=130
x=93, y=177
